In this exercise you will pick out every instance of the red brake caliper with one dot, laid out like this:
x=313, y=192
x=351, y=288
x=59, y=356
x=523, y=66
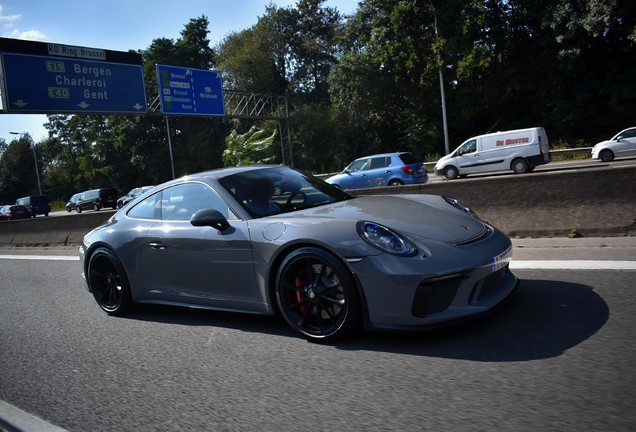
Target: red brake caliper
x=300, y=296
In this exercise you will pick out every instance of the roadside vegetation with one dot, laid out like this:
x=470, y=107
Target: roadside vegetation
x=357, y=85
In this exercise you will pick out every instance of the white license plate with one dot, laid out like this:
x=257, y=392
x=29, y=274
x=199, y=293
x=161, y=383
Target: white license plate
x=500, y=261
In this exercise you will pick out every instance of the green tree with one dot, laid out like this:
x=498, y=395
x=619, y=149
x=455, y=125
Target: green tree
x=253, y=60
x=385, y=85
x=595, y=85
x=17, y=169
x=253, y=147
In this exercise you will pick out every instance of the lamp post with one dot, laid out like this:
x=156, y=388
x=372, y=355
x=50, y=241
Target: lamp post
x=37, y=171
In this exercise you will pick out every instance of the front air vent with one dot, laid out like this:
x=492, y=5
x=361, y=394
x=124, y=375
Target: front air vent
x=435, y=295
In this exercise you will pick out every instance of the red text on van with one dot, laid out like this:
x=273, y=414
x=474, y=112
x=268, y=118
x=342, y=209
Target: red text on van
x=513, y=141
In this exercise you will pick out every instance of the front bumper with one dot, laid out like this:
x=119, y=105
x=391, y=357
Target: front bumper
x=449, y=283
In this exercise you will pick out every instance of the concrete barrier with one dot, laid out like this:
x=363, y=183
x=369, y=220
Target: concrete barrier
x=591, y=202
x=43, y=231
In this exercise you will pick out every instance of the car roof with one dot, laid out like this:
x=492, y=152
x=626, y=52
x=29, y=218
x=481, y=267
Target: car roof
x=224, y=172
x=383, y=155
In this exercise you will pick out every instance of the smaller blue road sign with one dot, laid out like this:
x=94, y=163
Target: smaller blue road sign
x=187, y=91
x=48, y=84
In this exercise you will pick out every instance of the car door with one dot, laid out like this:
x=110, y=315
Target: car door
x=190, y=264
x=356, y=175
x=468, y=159
x=626, y=145
x=379, y=172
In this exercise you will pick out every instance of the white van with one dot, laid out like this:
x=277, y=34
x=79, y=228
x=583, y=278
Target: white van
x=518, y=150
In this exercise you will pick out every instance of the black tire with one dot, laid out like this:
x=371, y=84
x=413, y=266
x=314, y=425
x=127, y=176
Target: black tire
x=317, y=296
x=606, y=155
x=395, y=182
x=519, y=166
x=451, y=173
x=119, y=204
x=108, y=282
x=78, y=209
x=95, y=207
x=68, y=209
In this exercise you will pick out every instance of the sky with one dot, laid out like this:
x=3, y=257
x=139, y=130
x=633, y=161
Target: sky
x=121, y=25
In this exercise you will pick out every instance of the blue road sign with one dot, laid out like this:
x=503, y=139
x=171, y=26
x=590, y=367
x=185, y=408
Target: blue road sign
x=49, y=84
x=187, y=91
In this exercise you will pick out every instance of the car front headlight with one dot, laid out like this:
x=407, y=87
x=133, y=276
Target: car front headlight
x=385, y=239
x=460, y=206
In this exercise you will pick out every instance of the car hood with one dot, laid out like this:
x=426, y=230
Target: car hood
x=427, y=216
x=444, y=159
x=604, y=143
x=336, y=176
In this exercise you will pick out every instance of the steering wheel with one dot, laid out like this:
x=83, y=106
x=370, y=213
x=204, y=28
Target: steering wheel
x=293, y=195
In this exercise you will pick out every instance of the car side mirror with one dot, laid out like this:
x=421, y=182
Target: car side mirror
x=210, y=217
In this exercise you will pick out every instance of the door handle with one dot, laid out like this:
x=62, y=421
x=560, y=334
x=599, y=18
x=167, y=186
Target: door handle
x=158, y=245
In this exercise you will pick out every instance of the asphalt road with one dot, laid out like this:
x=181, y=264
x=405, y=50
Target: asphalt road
x=559, y=356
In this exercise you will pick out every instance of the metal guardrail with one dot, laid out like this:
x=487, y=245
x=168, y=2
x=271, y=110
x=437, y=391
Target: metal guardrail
x=579, y=150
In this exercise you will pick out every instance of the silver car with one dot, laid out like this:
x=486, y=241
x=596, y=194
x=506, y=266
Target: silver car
x=273, y=240
x=621, y=144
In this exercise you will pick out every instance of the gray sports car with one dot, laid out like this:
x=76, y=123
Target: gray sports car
x=270, y=239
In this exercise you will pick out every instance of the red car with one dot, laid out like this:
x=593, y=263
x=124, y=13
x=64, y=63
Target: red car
x=13, y=212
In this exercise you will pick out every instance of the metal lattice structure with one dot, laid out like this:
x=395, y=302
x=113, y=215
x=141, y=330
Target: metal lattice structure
x=262, y=107
x=255, y=106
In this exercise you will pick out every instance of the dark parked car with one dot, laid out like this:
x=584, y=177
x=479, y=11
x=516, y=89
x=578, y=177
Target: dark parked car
x=14, y=212
x=72, y=202
x=270, y=239
x=97, y=199
x=131, y=195
x=387, y=169
x=35, y=204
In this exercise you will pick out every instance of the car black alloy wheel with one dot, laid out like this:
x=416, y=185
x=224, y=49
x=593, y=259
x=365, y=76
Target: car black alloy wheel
x=316, y=295
x=108, y=282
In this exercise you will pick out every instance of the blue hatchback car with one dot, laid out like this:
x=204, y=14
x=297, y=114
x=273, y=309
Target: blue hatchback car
x=387, y=169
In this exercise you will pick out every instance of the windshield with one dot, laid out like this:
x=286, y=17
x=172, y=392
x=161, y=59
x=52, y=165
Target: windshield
x=267, y=191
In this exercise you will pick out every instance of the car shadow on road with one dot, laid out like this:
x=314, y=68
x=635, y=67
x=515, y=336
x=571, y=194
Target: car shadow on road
x=541, y=320
x=272, y=325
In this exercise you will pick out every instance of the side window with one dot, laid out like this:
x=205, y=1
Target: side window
x=468, y=147
x=358, y=165
x=147, y=209
x=380, y=162
x=628, y=134
x=180, y=202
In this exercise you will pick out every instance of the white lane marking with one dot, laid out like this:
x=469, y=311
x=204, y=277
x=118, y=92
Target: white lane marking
x=574, y=265
x=41, y=257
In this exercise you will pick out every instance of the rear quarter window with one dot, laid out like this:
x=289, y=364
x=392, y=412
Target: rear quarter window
x=409, y=158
